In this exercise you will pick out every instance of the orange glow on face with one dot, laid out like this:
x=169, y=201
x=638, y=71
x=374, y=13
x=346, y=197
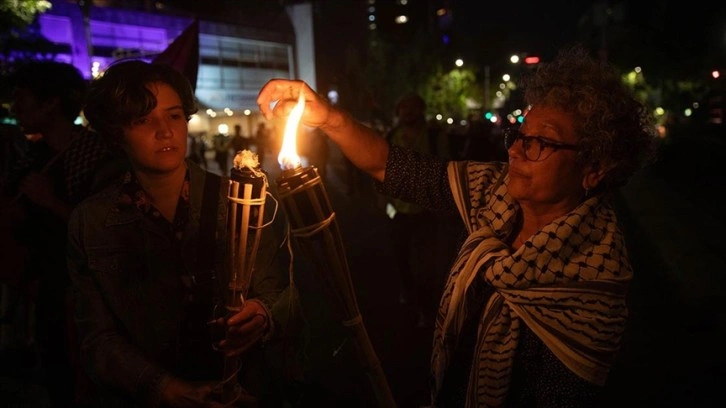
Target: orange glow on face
x=288, y=157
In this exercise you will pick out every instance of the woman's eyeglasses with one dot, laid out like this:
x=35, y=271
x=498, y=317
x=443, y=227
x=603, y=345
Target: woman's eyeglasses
x=532, y=146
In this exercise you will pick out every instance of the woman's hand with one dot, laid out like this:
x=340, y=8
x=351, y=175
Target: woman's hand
x=284, y=93
x=245, y=328
x=365, y=148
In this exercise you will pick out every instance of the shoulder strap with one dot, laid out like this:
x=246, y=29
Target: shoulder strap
x=208, y=225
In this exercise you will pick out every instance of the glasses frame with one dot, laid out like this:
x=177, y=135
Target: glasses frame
x=515, y=134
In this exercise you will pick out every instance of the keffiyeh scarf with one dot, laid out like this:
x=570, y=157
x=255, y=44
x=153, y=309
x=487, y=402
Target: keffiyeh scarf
x=567, y=283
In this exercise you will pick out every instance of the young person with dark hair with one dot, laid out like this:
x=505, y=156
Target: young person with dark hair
x=149, y=261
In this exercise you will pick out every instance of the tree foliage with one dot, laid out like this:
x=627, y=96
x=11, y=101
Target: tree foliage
x=675, y=44
x=451, y=92
x=19, y=13
x=392, y=71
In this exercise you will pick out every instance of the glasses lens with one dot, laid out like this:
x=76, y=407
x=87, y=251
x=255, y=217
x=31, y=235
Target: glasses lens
x=532, y=149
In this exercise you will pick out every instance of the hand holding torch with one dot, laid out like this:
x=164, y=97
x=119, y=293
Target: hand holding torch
x=245, y=222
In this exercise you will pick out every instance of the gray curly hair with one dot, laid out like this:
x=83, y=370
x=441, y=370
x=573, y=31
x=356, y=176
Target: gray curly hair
x=616, y=130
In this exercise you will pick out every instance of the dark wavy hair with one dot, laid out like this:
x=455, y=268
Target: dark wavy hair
x=120, y=96
x=616, y=130
x=52, y=79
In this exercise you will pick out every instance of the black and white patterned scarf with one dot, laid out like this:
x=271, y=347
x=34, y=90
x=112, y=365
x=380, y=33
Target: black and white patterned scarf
x=83, y=158
x=79, y=161
x=567, y=283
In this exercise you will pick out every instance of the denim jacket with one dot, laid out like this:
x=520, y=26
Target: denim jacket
x=128, y=279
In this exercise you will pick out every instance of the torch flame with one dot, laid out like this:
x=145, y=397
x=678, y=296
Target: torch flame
x=288, y=157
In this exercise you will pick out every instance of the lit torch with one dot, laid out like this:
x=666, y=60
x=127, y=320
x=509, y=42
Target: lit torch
x=315, y=229
x=245, y=216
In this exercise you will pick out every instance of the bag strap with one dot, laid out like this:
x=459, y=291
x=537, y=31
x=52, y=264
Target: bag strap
x=208, y=229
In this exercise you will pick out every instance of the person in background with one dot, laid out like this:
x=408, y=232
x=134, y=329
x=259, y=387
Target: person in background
x=221, y=145
x=238, y=141
x=202, y=152
x=63, y=164
x=193, y=152
x=262, y=142
x=148, y=260
x=534, y=308
x=414, y=242
x=480, y=144
x=13, y=144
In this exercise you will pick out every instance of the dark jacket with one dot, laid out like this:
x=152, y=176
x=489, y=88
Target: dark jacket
x=133, y=298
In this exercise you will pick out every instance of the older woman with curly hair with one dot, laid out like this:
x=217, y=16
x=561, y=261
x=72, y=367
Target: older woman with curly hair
x=534, y=308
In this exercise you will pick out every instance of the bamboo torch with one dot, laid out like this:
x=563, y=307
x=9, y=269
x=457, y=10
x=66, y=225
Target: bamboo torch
x=315, y=229
x=247, y=192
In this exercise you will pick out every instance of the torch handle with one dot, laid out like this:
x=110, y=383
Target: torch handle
x=316, y=230
x=245, y=235
x=230, y=389
x=239, y=273
x=369, y=360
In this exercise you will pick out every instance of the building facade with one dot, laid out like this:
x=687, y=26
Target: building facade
x=240, y=48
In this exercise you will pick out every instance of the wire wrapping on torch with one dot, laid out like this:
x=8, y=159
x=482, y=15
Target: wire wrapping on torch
x=310, y=230
x=352, y=322
x=257, y=201
x=251, y=201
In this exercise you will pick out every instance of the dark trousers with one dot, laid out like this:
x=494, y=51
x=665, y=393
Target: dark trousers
x=414, y=238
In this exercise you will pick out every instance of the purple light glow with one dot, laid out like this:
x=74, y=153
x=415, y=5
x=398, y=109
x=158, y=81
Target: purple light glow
x=124, y=39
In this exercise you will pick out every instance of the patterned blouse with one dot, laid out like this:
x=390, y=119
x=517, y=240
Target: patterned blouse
x=133, y=195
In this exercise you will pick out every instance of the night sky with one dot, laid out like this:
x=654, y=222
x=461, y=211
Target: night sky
x=482, y=30
x=507, y=27
x=671, y=32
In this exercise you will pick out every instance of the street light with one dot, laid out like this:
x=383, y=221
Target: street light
x=514, y=59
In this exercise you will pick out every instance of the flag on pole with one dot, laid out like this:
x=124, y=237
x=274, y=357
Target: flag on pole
x=183, y=53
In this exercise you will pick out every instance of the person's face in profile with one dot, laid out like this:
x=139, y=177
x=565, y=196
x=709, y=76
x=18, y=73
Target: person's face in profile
x=553, y=179
x=30, y=112
x=156, y=143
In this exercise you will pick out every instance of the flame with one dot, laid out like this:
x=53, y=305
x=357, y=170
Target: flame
x=288, y=157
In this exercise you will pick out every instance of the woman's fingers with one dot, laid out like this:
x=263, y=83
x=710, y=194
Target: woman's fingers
x=274, y=92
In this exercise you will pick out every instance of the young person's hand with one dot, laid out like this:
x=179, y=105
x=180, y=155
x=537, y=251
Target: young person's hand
x=245, y=328
x=181, y=394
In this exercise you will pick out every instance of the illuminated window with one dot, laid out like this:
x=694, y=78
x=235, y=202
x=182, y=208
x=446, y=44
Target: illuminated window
x=128, y=37
x=236, y=63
